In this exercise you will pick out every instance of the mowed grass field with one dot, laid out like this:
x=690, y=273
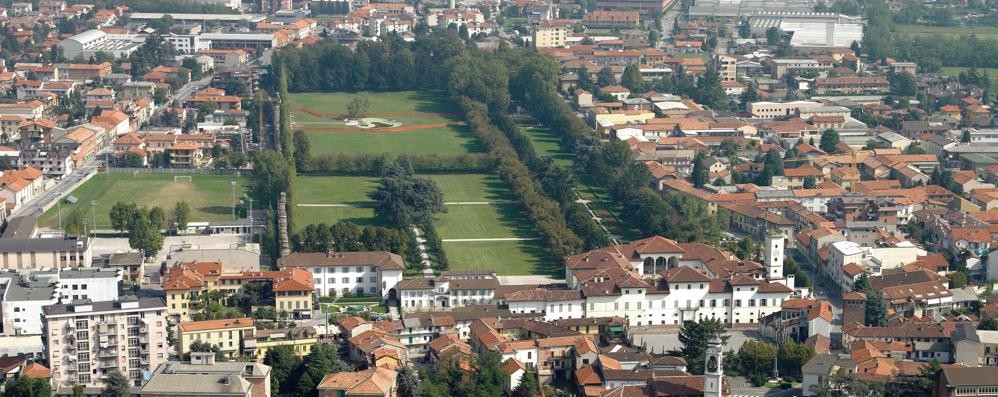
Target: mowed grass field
x=479, y=206
x=210, y=196
x=547, y=144
x=984, y=32
x=429, y=124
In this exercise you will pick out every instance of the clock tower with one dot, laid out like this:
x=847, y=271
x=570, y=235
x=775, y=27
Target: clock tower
x=713, y=369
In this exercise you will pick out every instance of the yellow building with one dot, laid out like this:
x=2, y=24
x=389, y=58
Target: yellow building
x=227, y=334
x=301, y=340
x=552, y=33
x=189, y=285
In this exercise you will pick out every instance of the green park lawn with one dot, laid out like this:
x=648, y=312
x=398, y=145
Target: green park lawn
x=334, y=189
x=989, y=32
x=547, y=144
x=508, y=258
x=436, y=126
x=483, y=221
x=210, y=196
x=472, y=187
x=462, y=221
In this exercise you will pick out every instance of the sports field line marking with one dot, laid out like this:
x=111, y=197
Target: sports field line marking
x=468, y=240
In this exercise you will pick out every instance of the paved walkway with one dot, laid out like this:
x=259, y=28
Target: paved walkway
x=424, y=258
x=463, y=240
x=325, y=205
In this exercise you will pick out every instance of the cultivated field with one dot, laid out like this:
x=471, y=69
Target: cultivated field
x=984, y=32
x=428, y=124
x=482, y=228
x=210, y=196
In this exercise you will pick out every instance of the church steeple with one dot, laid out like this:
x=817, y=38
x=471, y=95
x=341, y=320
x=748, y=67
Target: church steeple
x=714, y=368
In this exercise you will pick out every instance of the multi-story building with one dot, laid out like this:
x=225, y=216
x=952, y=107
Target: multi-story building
x=185, y=284
x=25, y=294
x=851, y=85
x=552, y=33
x=227, y=334
x=726, y=67
x=358, y=273
x=86, y=341
x=447, y=291
x=202, y=375
x=45, y=253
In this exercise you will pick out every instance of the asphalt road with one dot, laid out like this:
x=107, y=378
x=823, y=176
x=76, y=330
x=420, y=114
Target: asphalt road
x=63, y=187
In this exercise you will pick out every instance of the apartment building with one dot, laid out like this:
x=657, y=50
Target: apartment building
x=86, y=341
x=358, y=273
x=552, y=33
x=227, y=334
x=726, y=67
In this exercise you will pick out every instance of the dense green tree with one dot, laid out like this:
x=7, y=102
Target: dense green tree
x=157, y=218
x=791, y=358
x=528, y=386
x=829, y=138
x=810, y=182
x=122, y=214
x=957, y=280
x=631, y=78
x=321, y=360
x=903, y=84
x=408, y=382
x=773, y=36
x=605, y=77
x=757, y=358
x=699, y=175
x=133, y=160
x=116, y=385
x=181, y=214
x=283, y=362
x=143, y=236
x=303, y=151
x=204, y=347
x=403, y=198
x=694, y=336
x=26, y=386
x=744, y=30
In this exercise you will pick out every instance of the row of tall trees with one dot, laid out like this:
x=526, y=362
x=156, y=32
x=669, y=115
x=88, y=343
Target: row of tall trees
x=348, y=237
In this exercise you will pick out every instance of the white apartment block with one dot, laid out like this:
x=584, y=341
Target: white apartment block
x=95, y=284
x=356, y=273
x=24, y=294
x=441, y=293
x=86, y=341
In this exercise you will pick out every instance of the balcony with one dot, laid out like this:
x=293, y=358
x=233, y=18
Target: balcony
x=144, y=339
x=110, y=365
x=108, y=354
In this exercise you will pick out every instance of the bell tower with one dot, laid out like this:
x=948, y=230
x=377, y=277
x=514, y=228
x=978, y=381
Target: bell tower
x=713, y=369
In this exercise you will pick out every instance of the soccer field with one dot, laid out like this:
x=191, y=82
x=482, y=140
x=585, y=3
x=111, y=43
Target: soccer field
x=210, y=196
x=426, y=124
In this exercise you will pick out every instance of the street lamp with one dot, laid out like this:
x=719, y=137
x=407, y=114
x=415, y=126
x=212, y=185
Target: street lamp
x=233, y=184
x=93, y=206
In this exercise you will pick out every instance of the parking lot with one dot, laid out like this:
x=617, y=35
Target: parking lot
x=661, y=339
